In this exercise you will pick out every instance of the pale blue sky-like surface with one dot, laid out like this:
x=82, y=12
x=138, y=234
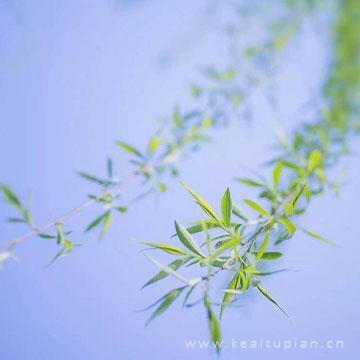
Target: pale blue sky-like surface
x=74, y=76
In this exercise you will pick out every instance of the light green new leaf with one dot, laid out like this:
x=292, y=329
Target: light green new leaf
x=106, y=223
x=257, y=207
x=10, y=197
x=288, y=225
x=185, y=237
x=277, y=173
x=226, y=208
x=315, y=160
x=154, y=143
x=129, y=148
x=317, y=236
x=249, y=182
x=163, y=274
x=263, y=247
x=170, y=249
x=203, y=204
x=168, y=299
x=225, y=246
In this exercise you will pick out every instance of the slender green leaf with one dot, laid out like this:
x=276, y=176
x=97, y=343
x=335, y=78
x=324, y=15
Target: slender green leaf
x=10, y=197
x=288, y=225
x=170, y=249
x=263, y=247
x=96, y=222
x=95, y=179
x=233, y=285
x=163, y=274
x=166, y=303
x=186, y=238
x=249, y=182
x=268, y=296
x=317, y=236
x=129, y=148
x=226, y=208
x=257, y=207
x=271, y=255
x=315, y=159
x=277, y=173
x=203, y=204
x=169, y=270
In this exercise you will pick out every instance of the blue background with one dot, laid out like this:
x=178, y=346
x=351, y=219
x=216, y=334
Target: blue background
x=75, y=75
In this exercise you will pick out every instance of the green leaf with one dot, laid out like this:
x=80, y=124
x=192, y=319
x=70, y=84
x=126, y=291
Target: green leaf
x=109, y=167
x=226, y=208
x=96, y=222
x=16, y=220
x=263, y=247
x=214, y=325
x=202, y=226
x=267, y=295
x=233, y=285
x=95, y=179
x=271, y=255
x=10, y=197
x=203, y=204
x=128, y=148
x=46, y=236
x=170, y=249
x=106, y=223
x=169, y=270
x=225, y=246
x=168, y=299
x=317, y=236
x=185, y=237
x=163, y=274
x=288, y=225
x=257, y=207
x=249, y=182
x=239, y=213
x=315, y=160
x=277, y=173
x=154, y=143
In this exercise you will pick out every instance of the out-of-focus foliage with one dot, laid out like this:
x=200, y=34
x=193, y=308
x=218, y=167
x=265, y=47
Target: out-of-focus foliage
x=230, y=241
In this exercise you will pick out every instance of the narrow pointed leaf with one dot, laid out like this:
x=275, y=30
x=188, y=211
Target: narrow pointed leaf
x=168, y=270
x=129, y=148
x=233, y=284
x=203, y=204
x=166, y=303
x=263, y=247
x=186, y=238
x=163, y=274
x=288, y=225
x=255, y=206
x=268, y=296
x=170, y=249
x=10, y=197
x=226, y=208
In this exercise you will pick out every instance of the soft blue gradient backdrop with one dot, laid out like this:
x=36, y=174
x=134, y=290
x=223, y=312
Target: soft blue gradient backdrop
x=75, y=75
